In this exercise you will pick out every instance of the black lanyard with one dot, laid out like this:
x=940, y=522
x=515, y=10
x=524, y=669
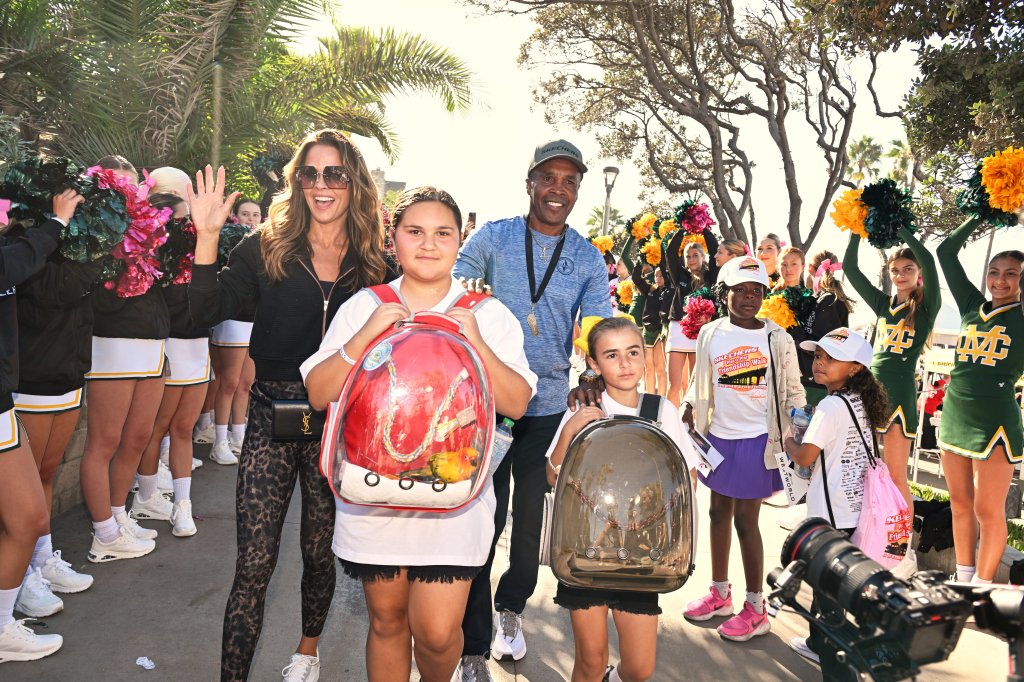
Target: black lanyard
x=535, y=293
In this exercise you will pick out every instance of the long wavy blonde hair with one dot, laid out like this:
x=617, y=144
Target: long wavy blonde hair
x=283, y=237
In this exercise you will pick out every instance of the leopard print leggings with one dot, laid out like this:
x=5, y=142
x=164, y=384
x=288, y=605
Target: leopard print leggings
x=267, y=471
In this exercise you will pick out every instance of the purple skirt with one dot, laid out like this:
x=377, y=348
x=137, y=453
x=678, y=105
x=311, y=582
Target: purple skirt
x=742, y=475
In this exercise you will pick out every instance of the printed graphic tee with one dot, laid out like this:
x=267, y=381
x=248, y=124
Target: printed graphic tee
x=739, y=360
x=846, y=460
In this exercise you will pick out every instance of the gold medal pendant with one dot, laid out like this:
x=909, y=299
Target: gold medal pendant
x=531, y=320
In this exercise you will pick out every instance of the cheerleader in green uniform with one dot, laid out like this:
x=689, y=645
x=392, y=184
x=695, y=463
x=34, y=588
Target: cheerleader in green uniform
x=904, y=323
x=981, y=436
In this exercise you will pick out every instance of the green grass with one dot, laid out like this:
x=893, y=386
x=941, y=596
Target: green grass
x=928, y=493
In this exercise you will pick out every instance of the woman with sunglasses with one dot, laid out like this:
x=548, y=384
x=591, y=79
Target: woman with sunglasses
x=322, y=242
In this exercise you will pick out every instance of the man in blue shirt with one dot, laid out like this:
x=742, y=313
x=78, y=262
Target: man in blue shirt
x=546, y=274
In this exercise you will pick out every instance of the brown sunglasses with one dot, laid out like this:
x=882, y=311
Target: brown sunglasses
x=335, y=177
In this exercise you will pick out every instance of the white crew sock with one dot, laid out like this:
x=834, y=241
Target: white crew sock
x=7, y=599
x=756, y=600
x=106, y=531
x=980, y=581
x=182, y=489
x=222, y=433
x=722, y=587
x=147, y=486
x=205, y=419
x=117, y=510
x=238, y=432
x=43, y=551
x=965, y=574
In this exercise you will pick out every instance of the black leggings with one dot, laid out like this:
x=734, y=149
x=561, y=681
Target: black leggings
x=266, y=478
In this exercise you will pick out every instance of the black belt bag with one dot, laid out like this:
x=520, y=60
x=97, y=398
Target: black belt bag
x=295, y=420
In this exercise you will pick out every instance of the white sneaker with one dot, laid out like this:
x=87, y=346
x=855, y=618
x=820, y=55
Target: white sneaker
x=18, y=643
x=196, y=463
x=906, y=568
x=799, y=645
x=473, y=669
x=181, y=519
x=157, y=508
x=302, y=668
x=509, y=641
x=164, y=479
x=128, y=521
x=35, y=598
x=125, y=546
x=206, y=435
x=235, y=445
x=221, y=453
x=62, y=577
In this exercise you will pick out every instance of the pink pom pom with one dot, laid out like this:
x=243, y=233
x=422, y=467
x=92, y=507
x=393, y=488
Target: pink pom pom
x=699, y=312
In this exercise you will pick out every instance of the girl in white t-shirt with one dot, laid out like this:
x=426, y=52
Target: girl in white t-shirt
x=838, y=436
x=416, y=567
x=616, y=353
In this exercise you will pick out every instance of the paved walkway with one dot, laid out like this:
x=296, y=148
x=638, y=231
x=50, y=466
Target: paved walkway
x=168, y=606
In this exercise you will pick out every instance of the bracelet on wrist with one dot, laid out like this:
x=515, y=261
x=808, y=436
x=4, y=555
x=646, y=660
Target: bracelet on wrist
x=345, y=356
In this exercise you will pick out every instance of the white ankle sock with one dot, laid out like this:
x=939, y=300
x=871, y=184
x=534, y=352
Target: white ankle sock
x=722, y=587
x=117, y=510
x=980, y=581
x=964, y=574
x=42, y=552
x=205, y=419
x=7, y=599
x=238, y=432
x=182, y=489
x=106, y=531
x=147, y=486
x=756, y=600
x=222, y=433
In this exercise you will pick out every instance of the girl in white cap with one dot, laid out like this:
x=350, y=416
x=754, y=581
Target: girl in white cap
x=838, y=436
x=744, y=384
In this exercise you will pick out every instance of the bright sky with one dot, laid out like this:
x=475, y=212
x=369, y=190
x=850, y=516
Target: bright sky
x=481, y=157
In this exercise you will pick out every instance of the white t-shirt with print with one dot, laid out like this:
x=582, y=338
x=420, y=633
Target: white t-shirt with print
x=846, y=460
x=375, y=535
x=671, y=424
x=739, y=362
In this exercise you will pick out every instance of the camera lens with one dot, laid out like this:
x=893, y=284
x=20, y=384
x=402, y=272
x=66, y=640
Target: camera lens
x=835, y=566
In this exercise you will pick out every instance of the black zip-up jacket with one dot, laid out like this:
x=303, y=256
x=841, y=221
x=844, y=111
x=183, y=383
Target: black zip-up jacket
x=829, y=313
x=679, y=276
x=291, y=315
x=651, y=320
x=20, y=258
x=55, y=326
x=136, y=317
x=182, y=327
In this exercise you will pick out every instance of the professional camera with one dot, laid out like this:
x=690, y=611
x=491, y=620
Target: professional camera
x=898, y=625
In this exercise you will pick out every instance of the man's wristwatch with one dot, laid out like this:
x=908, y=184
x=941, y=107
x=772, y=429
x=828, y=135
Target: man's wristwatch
x=589, y=377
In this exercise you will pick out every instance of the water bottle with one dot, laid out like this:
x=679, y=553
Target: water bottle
x=801, y=419
x=502, y=442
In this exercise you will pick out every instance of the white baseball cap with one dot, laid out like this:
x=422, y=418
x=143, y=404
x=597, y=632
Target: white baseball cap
x=843, y=344
x=743, y=269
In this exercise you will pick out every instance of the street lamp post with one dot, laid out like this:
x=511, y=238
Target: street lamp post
x=610, y=173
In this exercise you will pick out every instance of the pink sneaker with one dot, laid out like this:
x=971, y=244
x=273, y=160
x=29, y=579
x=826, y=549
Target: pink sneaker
x=709, y=606
x=746, y=624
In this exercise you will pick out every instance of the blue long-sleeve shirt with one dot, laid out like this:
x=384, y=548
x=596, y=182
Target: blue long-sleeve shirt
x=496, y=252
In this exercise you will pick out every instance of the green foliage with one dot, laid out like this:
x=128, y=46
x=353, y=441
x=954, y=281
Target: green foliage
x=172, y=82
x=928, y=493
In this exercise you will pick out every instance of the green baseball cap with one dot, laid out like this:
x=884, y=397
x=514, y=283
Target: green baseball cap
x=557, y=149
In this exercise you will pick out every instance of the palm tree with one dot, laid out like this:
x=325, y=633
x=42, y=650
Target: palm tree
x=864, y=155
x=173, y=82
x=903, y=163
x=596, y=217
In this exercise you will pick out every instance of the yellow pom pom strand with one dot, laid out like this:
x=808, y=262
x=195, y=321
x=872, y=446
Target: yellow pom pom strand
x=776, y=309
x=604, y=243
x=667, y=227
x=1002, y=175
x=850, y=212
x=652, y=252
x=625, y=291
